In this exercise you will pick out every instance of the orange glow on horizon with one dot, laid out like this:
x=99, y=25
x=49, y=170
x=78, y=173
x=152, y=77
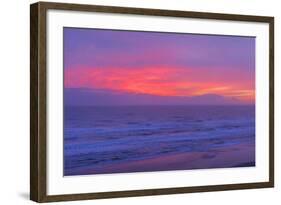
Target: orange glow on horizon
x=165, y=81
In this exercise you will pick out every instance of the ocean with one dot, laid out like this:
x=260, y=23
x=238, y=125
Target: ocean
x=122, y=139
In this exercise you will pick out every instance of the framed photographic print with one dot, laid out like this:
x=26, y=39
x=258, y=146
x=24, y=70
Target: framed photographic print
x=134, y=102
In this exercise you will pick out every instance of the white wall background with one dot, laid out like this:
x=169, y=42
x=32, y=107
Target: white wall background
x=14, y=100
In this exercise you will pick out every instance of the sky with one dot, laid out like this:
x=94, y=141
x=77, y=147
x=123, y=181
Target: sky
x=160, y=64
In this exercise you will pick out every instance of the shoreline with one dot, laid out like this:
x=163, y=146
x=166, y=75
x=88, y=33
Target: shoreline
x=242, y=155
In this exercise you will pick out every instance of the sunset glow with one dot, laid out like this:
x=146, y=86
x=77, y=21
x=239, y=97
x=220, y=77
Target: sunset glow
x=161, y=81
x=160, y=64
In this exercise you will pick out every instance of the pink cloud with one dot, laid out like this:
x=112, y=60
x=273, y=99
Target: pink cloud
x=165, y=81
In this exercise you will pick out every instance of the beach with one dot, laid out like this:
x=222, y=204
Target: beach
x=145, y=139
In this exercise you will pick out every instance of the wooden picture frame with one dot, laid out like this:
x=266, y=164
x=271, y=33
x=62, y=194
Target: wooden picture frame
x=39, y=103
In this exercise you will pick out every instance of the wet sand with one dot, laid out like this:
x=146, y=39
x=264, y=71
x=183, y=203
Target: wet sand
x=231, y=156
